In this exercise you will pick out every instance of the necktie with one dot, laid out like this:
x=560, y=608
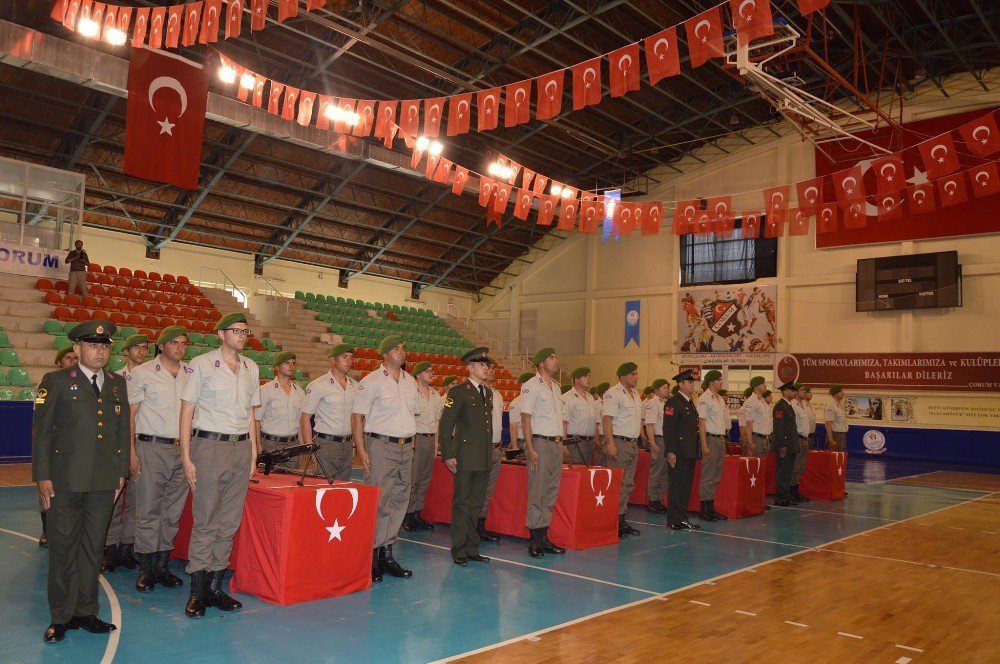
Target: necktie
x=482, y=392
x=93, y=381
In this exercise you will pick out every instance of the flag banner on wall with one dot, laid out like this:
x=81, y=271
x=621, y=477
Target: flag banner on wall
x=632, y=321
x=733, y=319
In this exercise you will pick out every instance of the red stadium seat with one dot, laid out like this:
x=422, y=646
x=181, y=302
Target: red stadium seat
x=107, y=303
x=201, y=326
x=150, y=321
x=170, y=279
x=114, y=292
x=98, y=314
x=98, y=290
x=176, y=298
x=81, y=315
x=62, y=313
x=73, y=300
x=89, y=301
x=134, y=320
x=53, y=298
x=125, y=272
x=125, y=306
x=146, y=296
x=186, y=324
x=93, y=267
x=172, y=310
x=255, y=343
x=156, y=309
x=130, y=294
x=119, y=281
x=45, y=284
x=181, y=279
x=108, y=269
x=205, y=303
x=105, y=279
x=162, y=298
x=118, y=318
x=149, y=333
x=155, y=276
x=188, y=312
x=140, y=274
x=62, y=286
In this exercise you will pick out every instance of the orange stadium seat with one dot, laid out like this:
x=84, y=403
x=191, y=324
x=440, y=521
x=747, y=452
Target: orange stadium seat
x=134, y=320
x=145, y=296
x=176, y=298
x=45, y=284
x=172, y=310
x=155, y=276
x=181, y=279
x=118, y=318
x=62, y=286
x=156, y=309
x=105, y=279
x=107, y=269
x=162, y=298
x=139, y=307
x=202, y=326
x=150, y=321
x=125, y=272
x=255, y=343
x=107, y=303
x=169, y=278
x=89, y=301
x=186, y=324
x=53, y=298
x=119, y=281
x=149, y=333
x=73, y=300
x=81, y=315
x=98, y=290
x=114, y=292
x=62, y=313
x=93, y=267
x=188, y=312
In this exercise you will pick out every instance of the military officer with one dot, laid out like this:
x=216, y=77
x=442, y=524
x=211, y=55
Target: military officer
x=383, y=426
x=278, y=416
x=119, y=545
x=680, y=439
x=713, y=425
x=425, y=446
x=514, y=415
x=331, y=399
x=466, y=432
x=495, y=460
x=653, y=424
x=835, y=421
x=644, y=442
x=621, y=421
x=786, y=444
x=218, y=439
x=80, y=459
x=801, y=409
x=160, y=489
x=741, y=419
x=65, y=358
x=542, y=424
x=759, y=419
x=580, y=415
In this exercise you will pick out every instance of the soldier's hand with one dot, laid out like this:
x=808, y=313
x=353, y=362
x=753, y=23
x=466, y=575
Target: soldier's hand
x=671, y=459
x=451, y=464
x=654, y=450
x=134, y=464
x=45, y=493
x=750, y=447
x=189, y=473
x=612, y=452
x=830, y=445
x=782, y=452
x=532, y=456
x=705, y=452
x=365, y=461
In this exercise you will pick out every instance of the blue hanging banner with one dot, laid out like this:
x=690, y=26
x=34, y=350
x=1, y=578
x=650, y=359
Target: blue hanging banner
x=632, y=322
x=611, y=198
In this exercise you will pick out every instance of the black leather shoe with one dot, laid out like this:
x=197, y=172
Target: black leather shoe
x=479, y=559
x=685, y=525
x=391, y=567
x=767, y=508
x=55, y=632
x=110, y=560
x=146, y=581
x=781, y=503
x=377, y=565
x=195, y=607
x=548, y=546
x=718, y=515
x=126, y=556
x=92, y=624
x=408, y=523
x=43, y=541
x=420, y=523
x=460, y=560
x=656, y=507
x=534, y=545
x=706, y=512
x=629, y=530
x=215, y=596
x=484, y=534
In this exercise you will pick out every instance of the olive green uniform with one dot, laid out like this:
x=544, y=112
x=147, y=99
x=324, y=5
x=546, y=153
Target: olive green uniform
x=785, y=436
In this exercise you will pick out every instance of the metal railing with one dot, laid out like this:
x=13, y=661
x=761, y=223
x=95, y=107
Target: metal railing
x=270, y=291
x=223, y=282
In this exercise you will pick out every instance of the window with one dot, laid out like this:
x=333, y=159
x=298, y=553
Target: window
x=711, y=260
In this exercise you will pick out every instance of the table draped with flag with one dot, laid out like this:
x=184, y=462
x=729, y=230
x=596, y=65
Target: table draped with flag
x=298, y=544
x=825, y=475
x=585, y=514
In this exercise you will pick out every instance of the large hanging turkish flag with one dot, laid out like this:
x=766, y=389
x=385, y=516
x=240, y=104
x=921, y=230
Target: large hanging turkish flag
x=752, y=19
x=704, y=33
x=587, y=83
x=488, y=109
x=662, y=57
x=165, y=118
x=549, y=93
x=623, y=70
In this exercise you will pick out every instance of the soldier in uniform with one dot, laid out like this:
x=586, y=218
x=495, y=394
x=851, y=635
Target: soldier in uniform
x=278, y=416
x=383, y=426
x=801, y=409
x=652, y=419
x=218, y=439
x=580, y=414
x=768, y=398
x=514, y=415
x=331, y=399
x=466, y=434
x=741, y=419
x=621, y=422
x=599, y=451
x=65, y=358
x=542, y=424
x=835, y=421
x=425, y=446
x=80, y=459
x=154, y=396
x=495, y=460
x=786, y=444
x=758, y=419
x=807, y=397
x=119, y=545
x=680, y=439
x=713, y=425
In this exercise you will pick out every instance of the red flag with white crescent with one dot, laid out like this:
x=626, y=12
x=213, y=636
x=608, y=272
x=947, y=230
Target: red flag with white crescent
x=385, y=118
x=752, y=19
x=461, y=177
x=165, y=118
x=939, y=155
x=662, y=56
x=95, y=13
x=305, y=113
x=776, y=202
x=826, y=218
x=751, y=224
x=889, y=174
x=157, y=25
x=443, y=171
x=288, y=103
x=192, y=23
x=703, y=223
x=486, y=187
x=258, y=14
x=588, y=213
x=459, y=114
x=110, y=20
x=809, y=6
x=527, y=177
x=517, y=99
x=432, y=165
x=433, y=110
x=798, y=222
x=773, y=228
x=210, y=22
x=549, y=94
x=982, y=136
x=326, y=106
x=409, y=118
x=984, y=179
x=287, y=9
x=124, y=18
x=234, y=18
x=488, y=109
x=274, y=97
x=568, y=213
x=704, y=33
x=855, y=215
x=58, y=12
x=541, y=182
x=73, y=12
x=258, y=91
x=546, y=209
x=587, y=83
x=719, y=208
x=890, y=206
x=141, y=27
x=850, y=186
x=501, y=197
x=810, y=194
x=684, y=216
x=952, y=190
x=920, y=198
x=522, y=206
x=365, y=108
x=173, y=29
x=623, y=70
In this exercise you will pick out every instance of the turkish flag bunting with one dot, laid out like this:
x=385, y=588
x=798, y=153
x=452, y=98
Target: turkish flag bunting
x=589, y=217
x=774, y=227
x=386, y=119
x=939, y=156
x=855, y=215
x=527, y=177
x=306, y=101
x=776, y=203
x=724, y=228
x=258, y=12
x=210, y=22
x=515, y=168
x=124, y=18
x=274, y=97
x=461, y=177
x=97, y=13
x=174, y=15
x=810, y=193
x=826, y=218
x=546, y=209
x=650, y=215
x=984, y=179
x=288, y=103
x=258, y=91
x=568, y=213
x=86, y=10
x=684, y=216
x=982, y=136
x=921, y=198
x=192, y=22
x=587, y=83
x=623, y=70
x=492, y=216
x=517, y=97
x=326, y=106
x=541, y=182
x=523, y=204
x=890, y=177
x=662, y=56
x=409, y=118
x=72, y=12
x=313, y=5
x=704, y=33
x=415, y=157
x=59, y=10
x=752, y=19
x=810, y=6
x=488, y=109
x=751, y=224
x=798, y=223
x=176, y=90
x=432, y=163
x=502, y=197
x=621, y=219
x=549, y=94
x=890, y=206
x=459, y=113
x=157, y=22
x=287, y=9
x=365, y=108
x=234, y=18
x=719, y=208
x=443, y=170
x=141, y=27
x=433, y=110
x=952, y=190
x=110, y=20
x=486, y=187
x=849, y=185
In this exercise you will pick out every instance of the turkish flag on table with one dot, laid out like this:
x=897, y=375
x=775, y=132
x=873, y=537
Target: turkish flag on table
x=984, y=179
x=740, y=492
x=517, y=97
x=662, y=57
x=548, y=94
x=921, y=198
x=809, y=195
x=704, y=33
x=433, y=110
x=825, y=475
x=234, y=18
x=165, y=118
x=488, y=109
x=752, y=19
x=623, y=70
x=982, y=136
x=952, y=190
x=586, y=83
x=939, y=156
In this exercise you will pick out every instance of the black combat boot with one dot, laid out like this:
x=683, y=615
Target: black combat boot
x=161, y=571
x=420, y=523
x=391, y=567
x=485, y=535
x=718, y=515
x=126, y=556
x=377, y=565
x=196, y=603
x=534, y=545
x=146, y=581
x=706, y=512
x=110, y=560
x=409, y=523
x=214, y=595
x=548, y=546
x=43, y=541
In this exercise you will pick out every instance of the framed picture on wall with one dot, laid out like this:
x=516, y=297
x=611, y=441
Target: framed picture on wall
x=901, y=409
x=859, y=407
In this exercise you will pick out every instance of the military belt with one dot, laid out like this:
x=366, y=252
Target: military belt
x=716, y=435
x=391, y=439
x=626, y=439
x=556, y=439
x=225, y=437
x=146, y=438
x=331, y=437
x=279, y=439
x=496, y=445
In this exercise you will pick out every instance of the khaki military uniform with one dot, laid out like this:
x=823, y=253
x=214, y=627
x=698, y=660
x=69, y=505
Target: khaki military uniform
x=497, y=457
x=121, y=529
x=836, y=420
x=424, y=446
x=712, y=409
x=331, y=404
x=625, y=410
x=759, y=417
x=802, y=448
x=581, y=415
x=657, y=483
x=278, y=415
x=544, y=404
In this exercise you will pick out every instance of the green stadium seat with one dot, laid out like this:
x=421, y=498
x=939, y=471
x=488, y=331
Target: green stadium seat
x=9, y=358
x=126, y=332
x=213, y=340
x=68, y=326
x=26, y=394
x=6, y=394
x=18, y=377
x=266, y=358
x=4, y=341
x=299, y=295
x=190, y=353
x=61, y=342
x=195, y=339
x=269, y=344
x=299, y=375
x=117, y=363
x=310, y=297
x=54, y=328
x=3, y=378
x=267, y=373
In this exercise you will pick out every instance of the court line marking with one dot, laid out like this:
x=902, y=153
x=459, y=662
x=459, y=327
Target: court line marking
x=743, y=537
x=116, y=607
x=911, y=562
x=694, y=601
x=543, y=569
x=850, y=636
x=797, y=624
x=639, y=602
x=745, y=613
x=900, y=645
x=859, y=516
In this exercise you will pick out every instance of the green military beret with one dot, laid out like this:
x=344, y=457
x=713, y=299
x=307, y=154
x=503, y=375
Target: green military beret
x=169, y=334
x=542, y=355
x=93, y=331
x=646, y=391
x=603, y=387
x=525, y=377
x=658, y=383
x=704, y=385
x=797, y=386
x=135, y=340
x=766, y=394
x=580, y=372
x=723, y=393
x=755, y=381
x=836, y=389
x=448, y=381
x=788, y=386
x=389, y=343
x=747, y=392
x=229, y=320
x=714, y=374
x=340, y=349
x=62, y=353
x=565, y=388
x=282, y=357
x=806, y=388
x=626, y=368
x=420, y=367
x=673, y=390
x=593, y=390
x=480, y=354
